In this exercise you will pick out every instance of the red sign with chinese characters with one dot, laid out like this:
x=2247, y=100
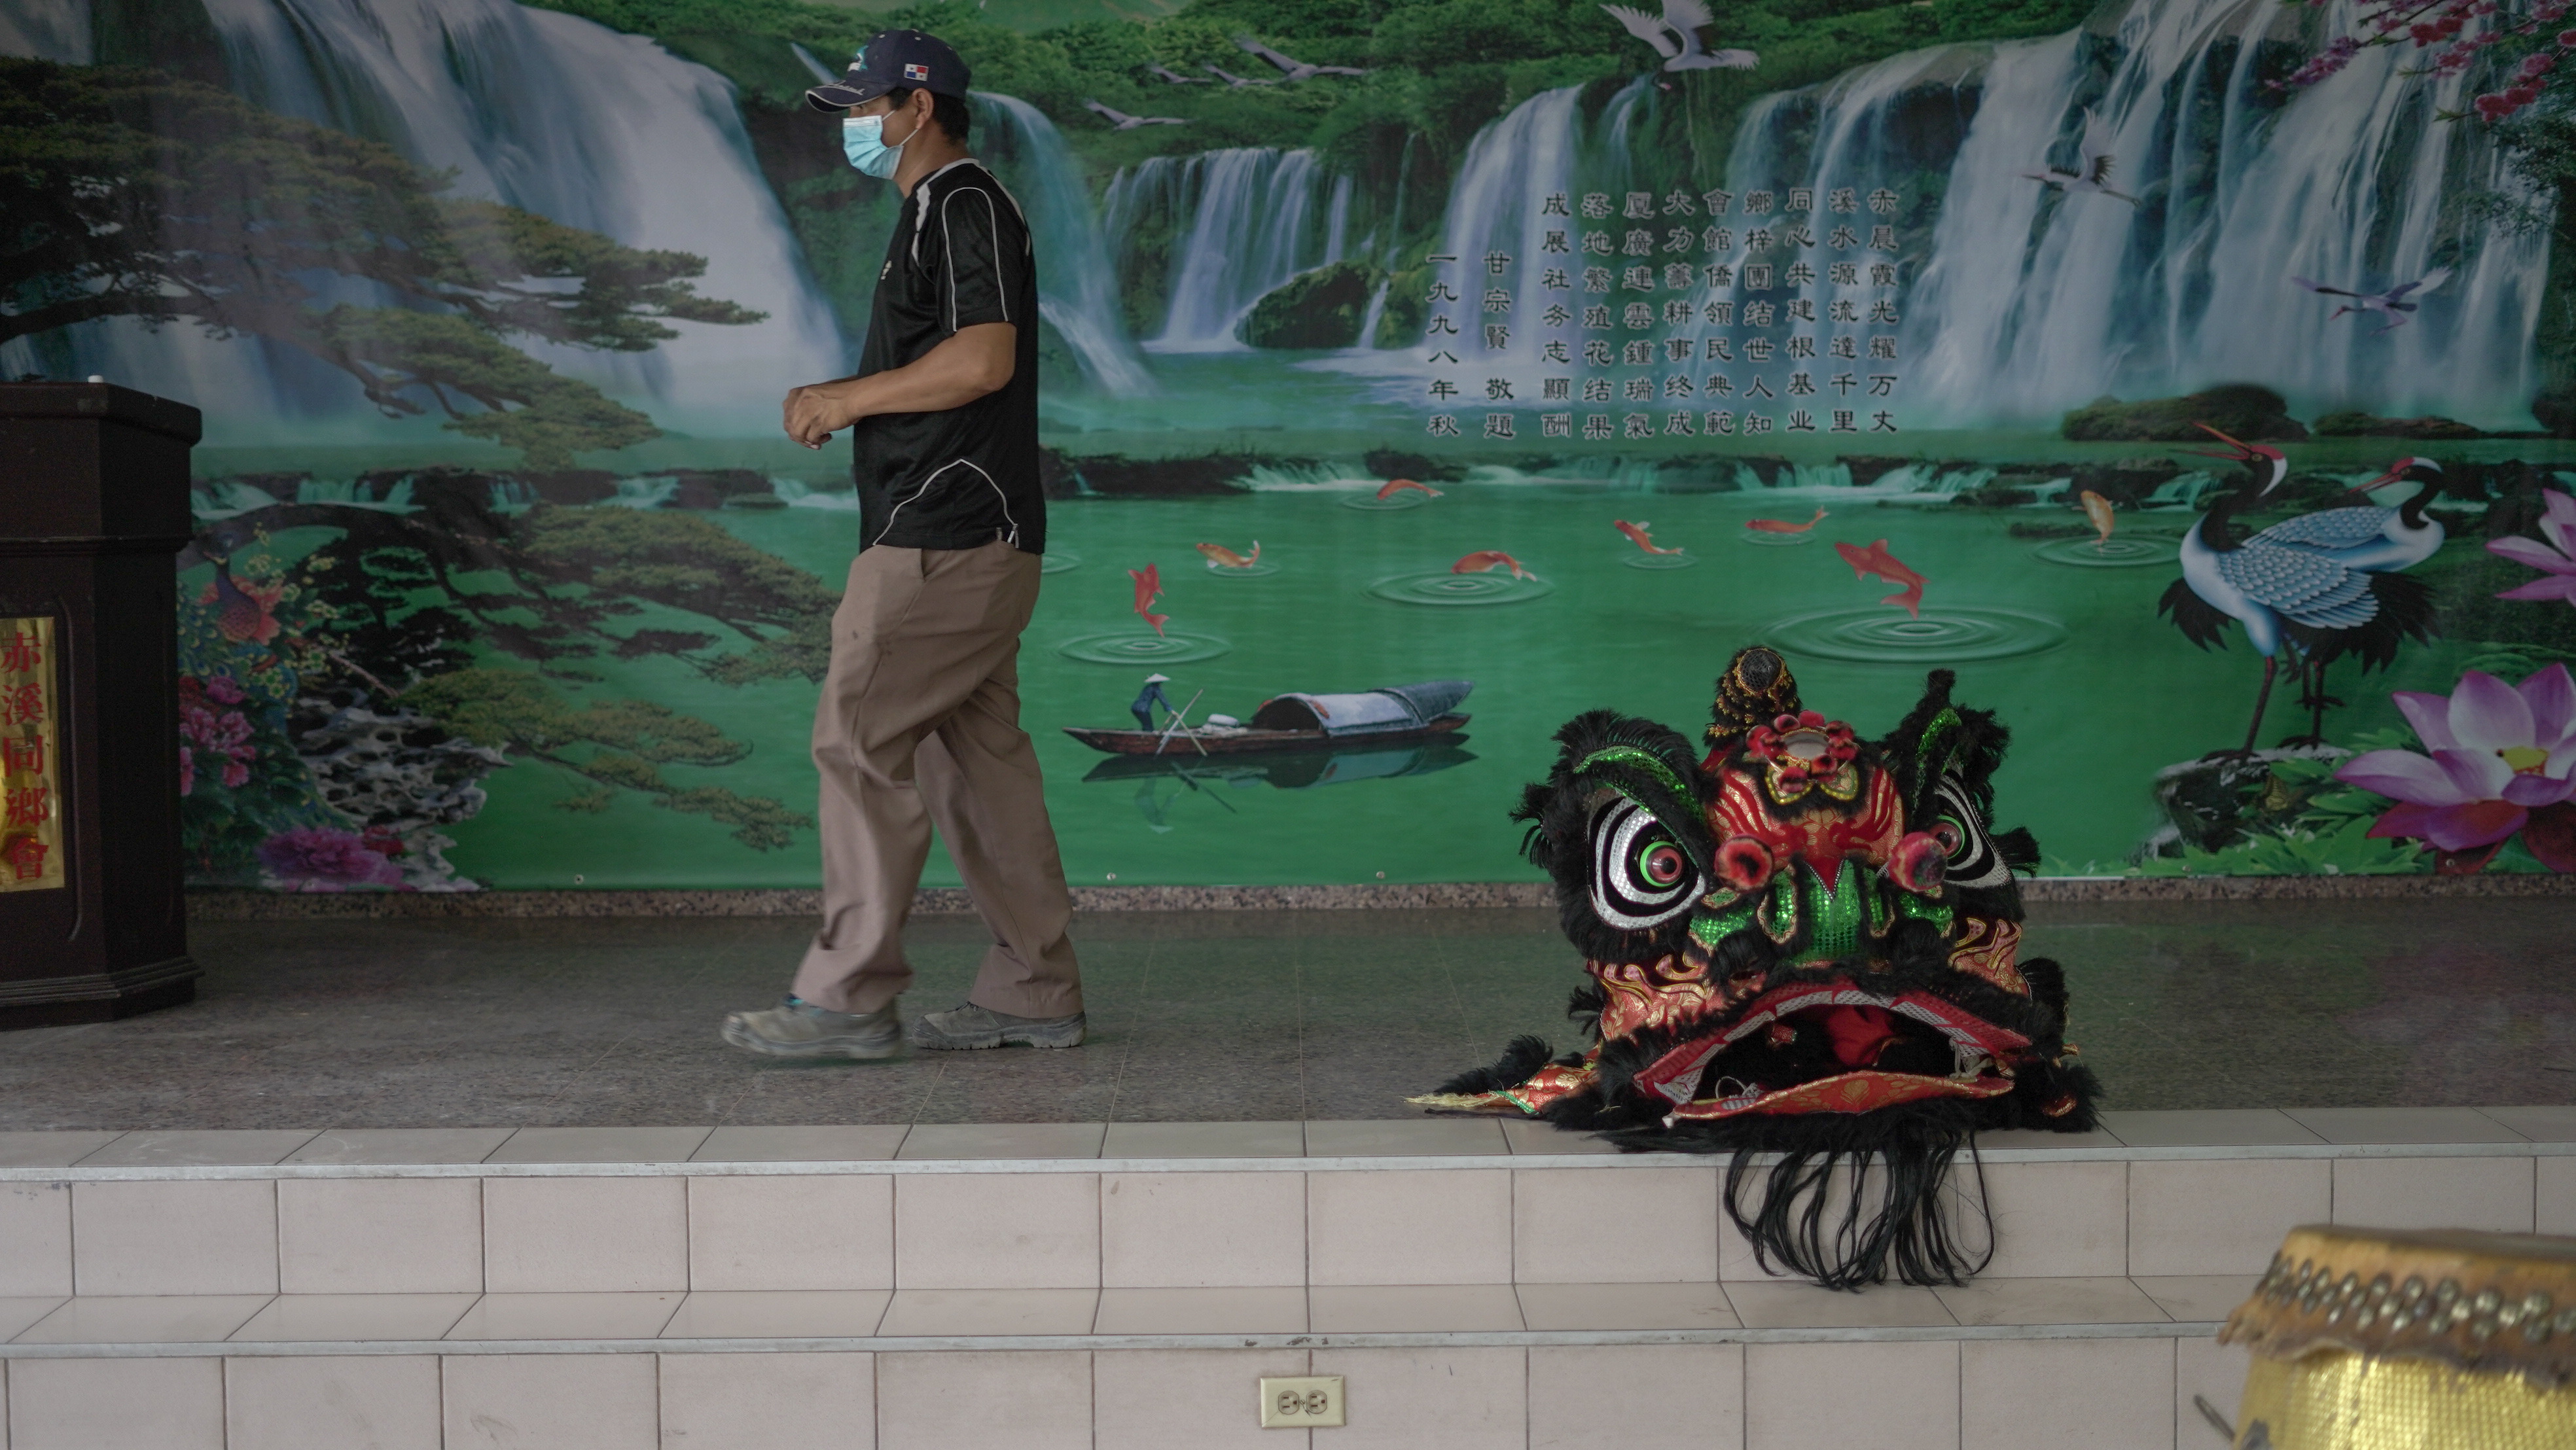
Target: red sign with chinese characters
x=31, y=815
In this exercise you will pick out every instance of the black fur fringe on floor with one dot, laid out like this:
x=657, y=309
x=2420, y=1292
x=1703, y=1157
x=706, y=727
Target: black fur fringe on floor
x=1524, y=1056
x=1850, y=1200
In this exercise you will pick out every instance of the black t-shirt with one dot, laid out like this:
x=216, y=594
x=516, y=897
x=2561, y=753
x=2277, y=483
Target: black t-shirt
x=958, y=479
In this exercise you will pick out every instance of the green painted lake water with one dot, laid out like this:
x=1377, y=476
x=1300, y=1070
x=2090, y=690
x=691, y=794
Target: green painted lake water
x=2099, y=691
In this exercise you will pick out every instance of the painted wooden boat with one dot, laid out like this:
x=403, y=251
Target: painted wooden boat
x=1300, y=721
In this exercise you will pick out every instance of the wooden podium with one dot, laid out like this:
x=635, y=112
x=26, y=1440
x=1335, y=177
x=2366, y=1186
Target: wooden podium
x=93, y=505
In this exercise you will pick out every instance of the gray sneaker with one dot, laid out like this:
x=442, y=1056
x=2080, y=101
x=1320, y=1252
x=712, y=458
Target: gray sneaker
x=798, y=1028
x=972, y=1026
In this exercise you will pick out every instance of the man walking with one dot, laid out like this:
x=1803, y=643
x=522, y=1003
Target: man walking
x=919, y=717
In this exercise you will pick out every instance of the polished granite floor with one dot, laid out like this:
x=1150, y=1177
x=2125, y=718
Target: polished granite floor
x=1232, y=1016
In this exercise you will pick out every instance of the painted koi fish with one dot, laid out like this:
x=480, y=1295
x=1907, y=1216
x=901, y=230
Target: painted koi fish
x=1638, y=534
x=1876, y=560
x=1149, y=585
x=1395, y=486
x=2097, y=510
x=1223, y=557
x=1782, y=526
x=1488, y=559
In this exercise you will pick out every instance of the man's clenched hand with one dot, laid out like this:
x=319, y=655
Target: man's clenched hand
x=816, y=411
x=970, y=363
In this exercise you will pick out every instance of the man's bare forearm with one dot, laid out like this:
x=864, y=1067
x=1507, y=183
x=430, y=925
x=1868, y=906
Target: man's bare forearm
x=976, y=361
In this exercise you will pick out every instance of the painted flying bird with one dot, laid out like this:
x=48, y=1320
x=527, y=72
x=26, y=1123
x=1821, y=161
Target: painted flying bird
x=1235, y=82
x=1293, y=71
x=1121, y=121
x=2093, y=164
x=1675, y=36
x=2295, y=603
x=1166, y=73
x=2392, y=302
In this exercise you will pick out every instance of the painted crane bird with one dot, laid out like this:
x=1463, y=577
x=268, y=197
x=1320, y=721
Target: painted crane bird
x=1120, y=121
x=1675, y=36
x=2311, y=589
x=2369, y=536
x=2093, y=165
x=1292, y=70
x=2397, y=304
x=1799, y=943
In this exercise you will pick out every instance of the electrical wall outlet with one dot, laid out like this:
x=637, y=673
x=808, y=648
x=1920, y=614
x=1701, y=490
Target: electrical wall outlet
x=1310, y=1402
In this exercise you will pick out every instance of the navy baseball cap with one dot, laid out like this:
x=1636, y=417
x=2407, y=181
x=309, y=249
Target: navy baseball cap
x=895, y=60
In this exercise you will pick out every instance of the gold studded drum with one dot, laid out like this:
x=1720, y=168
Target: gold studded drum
x=2382, y=1340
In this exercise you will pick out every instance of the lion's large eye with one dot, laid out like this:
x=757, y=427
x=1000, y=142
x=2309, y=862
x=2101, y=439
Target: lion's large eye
x=1663, y=864
x=1973, y=859
x=1641, y=877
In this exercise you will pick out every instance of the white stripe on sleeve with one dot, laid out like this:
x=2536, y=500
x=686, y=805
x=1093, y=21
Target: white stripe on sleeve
x=993, y=222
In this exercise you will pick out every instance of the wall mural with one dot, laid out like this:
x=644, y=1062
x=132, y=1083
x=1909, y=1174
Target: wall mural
x=2196, y=377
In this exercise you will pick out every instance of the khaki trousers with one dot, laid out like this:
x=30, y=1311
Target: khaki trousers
x=919, y=723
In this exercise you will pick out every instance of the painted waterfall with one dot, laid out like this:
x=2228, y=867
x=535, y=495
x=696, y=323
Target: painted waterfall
x=561, y=116
x=2028, y=301
x=1077, y=292
x=1243, y=221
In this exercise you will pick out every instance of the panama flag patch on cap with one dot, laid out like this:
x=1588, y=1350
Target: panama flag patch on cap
x=915, y=71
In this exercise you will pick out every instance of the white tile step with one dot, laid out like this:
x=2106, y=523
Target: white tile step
x=42, y=1327
x=1911, y=1383
x=1067, y=1209
x=1122, y=1287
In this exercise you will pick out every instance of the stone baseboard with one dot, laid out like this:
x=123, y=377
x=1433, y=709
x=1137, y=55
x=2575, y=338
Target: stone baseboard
x=1533, y=895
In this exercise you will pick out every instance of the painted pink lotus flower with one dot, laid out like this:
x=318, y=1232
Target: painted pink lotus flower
x=2502, y=761
x=317, y=858
x=2558, y=564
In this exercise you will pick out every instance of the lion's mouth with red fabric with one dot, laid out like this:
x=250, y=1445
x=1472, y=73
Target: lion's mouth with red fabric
x=1857, y=1035
x=1834, y=1047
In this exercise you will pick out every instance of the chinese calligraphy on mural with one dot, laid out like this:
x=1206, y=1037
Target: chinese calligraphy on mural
x=31, y=829
x=1681, y=314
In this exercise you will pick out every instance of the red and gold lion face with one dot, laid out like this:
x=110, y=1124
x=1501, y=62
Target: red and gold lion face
x=1792, y=929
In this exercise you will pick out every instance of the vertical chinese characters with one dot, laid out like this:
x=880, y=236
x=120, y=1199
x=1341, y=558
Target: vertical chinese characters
x=1677, y=314
x=1441, y=334
x=31, y=830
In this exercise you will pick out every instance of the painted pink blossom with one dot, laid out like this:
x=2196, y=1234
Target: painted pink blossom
x=2556, y=559
x=222, y=734
x=2453, y=32
x=316, y=858
x=2502, y=758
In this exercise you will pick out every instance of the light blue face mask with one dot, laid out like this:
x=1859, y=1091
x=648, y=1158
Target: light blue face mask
x=863, y=141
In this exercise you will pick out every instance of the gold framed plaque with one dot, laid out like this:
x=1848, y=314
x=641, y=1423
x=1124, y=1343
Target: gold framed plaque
x=31, y=813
